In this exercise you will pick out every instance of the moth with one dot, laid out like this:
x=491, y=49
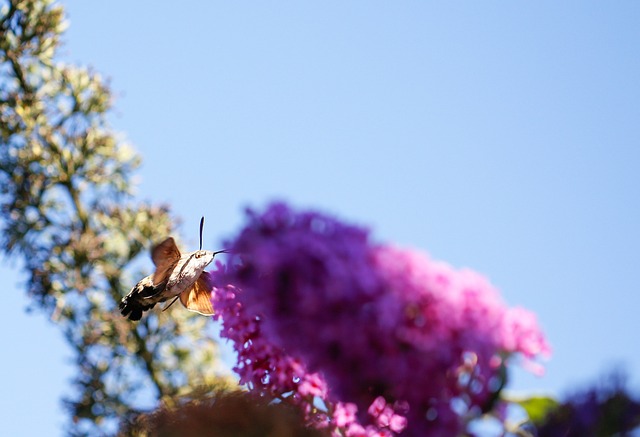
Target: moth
x=177, y=276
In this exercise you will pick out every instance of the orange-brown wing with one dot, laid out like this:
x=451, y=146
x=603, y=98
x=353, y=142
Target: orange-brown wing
x=198, y=298
x=165, y=256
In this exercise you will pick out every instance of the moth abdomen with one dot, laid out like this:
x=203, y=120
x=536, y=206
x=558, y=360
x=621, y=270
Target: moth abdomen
x=137, y=301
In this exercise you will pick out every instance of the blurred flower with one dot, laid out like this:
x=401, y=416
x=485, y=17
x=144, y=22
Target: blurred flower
x=605, y=410
x=224, y=414
x=344, y=414
x=315, y=309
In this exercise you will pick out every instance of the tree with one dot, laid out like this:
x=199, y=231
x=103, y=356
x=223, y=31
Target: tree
x=68, y=213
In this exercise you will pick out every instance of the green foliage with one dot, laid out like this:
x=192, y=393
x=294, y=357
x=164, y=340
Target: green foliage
x=67, y=212
x=537, y=407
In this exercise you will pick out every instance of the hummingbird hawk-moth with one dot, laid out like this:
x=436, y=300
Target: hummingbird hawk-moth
x=177, y=276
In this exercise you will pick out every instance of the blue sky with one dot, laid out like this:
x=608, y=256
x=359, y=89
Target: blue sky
x=500, y=136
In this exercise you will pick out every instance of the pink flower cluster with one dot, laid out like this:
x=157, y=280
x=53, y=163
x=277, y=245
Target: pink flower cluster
x=369, y=339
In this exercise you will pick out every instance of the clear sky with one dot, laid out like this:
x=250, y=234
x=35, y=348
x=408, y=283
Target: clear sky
x=500, y=136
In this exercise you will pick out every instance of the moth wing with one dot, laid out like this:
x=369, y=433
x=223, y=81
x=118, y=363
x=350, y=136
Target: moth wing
x=198, y=298
x=165, y=256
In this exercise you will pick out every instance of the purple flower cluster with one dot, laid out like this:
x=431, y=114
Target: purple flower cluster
x=606, y=408
x=387, y=338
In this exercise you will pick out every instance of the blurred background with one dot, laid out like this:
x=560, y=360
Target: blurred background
x=503, y=137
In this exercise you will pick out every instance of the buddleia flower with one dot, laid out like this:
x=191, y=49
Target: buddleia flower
x=317, y=310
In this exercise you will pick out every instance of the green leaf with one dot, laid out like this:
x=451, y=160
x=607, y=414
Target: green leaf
x=537, y=407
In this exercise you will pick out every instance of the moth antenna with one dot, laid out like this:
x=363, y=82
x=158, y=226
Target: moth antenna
x=172, y=302
x=201, y=226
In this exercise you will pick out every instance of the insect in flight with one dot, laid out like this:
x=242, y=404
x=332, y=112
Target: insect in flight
x=177, y=276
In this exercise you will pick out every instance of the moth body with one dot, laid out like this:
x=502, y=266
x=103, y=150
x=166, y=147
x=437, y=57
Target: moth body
x=176, y=275
x=187, y=271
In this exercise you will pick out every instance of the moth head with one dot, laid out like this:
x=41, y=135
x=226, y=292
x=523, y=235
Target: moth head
x=203, y=258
